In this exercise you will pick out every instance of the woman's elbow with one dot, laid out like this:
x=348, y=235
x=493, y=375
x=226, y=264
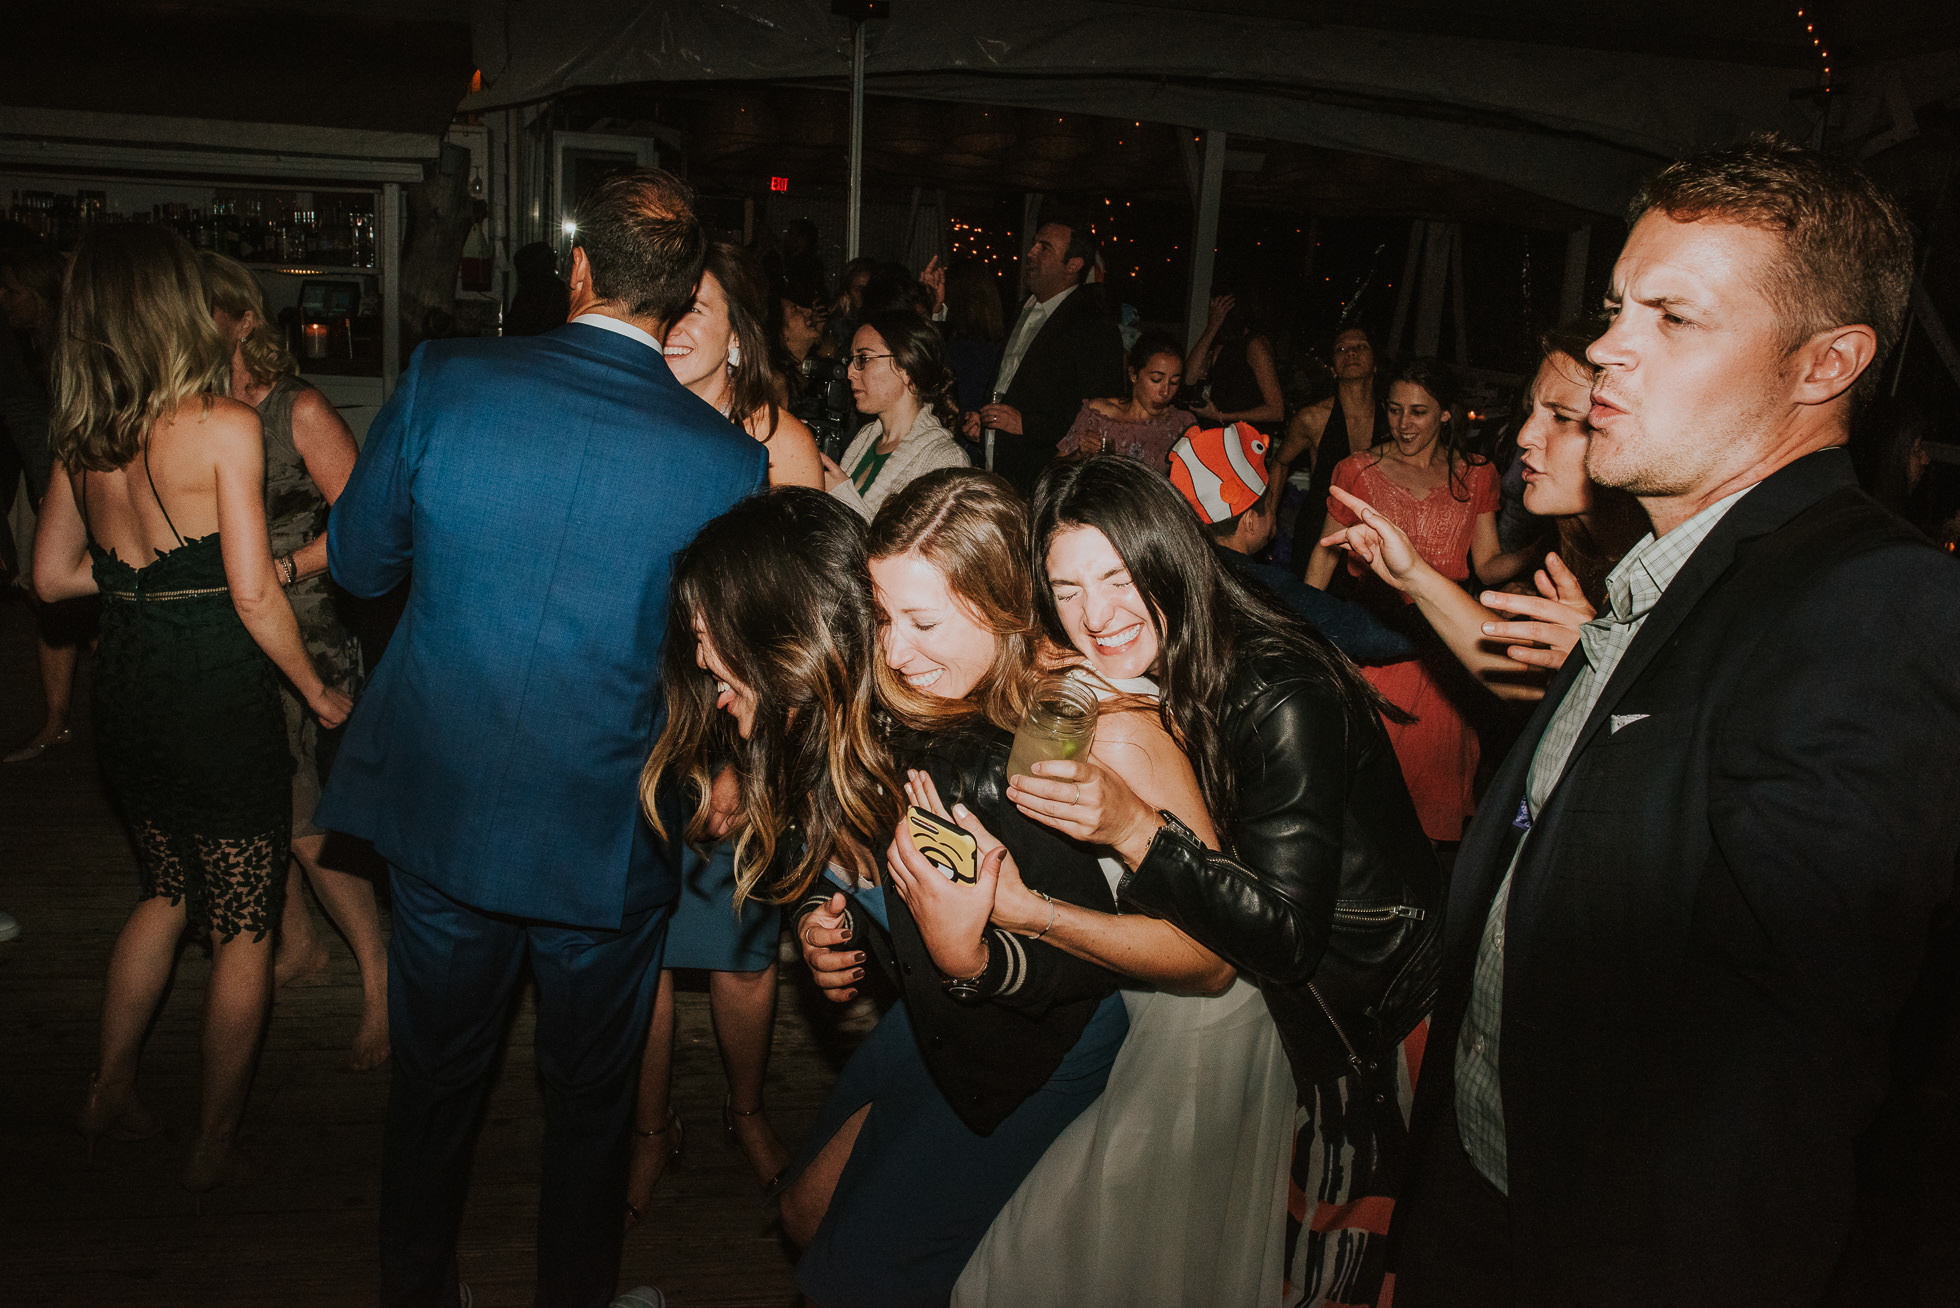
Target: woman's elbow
x=1216, y=980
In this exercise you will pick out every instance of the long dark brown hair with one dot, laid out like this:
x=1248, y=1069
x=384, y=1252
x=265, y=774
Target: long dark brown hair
x=1208, y=619
x=779, y=583
x=973, y=527
x=752, y=382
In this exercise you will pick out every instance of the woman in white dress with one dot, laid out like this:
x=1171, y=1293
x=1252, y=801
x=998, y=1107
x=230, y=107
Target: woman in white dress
x=1171, y=1190
x=1301, y=785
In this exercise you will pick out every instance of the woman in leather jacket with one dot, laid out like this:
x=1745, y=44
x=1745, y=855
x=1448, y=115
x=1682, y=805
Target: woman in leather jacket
x=1324, y=890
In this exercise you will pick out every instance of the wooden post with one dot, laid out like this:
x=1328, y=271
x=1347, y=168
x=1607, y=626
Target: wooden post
x=1405, y=295
x=388, y=242
x=1572, y=290
x=1429, y=299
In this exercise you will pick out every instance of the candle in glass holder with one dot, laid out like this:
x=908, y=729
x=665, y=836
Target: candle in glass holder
x=313, y=338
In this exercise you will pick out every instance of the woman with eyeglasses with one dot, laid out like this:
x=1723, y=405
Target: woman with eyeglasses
x=900, y=380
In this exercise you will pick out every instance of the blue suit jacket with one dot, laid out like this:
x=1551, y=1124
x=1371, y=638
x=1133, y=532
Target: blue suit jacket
x=538, y=487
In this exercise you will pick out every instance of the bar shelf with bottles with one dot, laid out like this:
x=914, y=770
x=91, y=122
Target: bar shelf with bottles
x=334, y=229
x=332, y=325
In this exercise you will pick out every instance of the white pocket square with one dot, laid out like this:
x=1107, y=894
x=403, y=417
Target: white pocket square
x=1627, y=720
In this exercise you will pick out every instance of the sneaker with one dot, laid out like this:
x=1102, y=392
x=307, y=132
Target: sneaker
x=9, y=926
x=644, y=1296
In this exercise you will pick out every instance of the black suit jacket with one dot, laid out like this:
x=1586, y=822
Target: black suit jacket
x=1721, y=912
x=1077, y=355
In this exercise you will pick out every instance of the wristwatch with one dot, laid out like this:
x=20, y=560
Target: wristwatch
x=968, y=987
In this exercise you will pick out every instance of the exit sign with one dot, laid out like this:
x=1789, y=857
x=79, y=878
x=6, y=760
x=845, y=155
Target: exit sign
x=779, y=183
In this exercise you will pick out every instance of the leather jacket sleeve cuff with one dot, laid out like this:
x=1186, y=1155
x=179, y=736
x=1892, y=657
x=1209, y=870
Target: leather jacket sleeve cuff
x=1175, y=854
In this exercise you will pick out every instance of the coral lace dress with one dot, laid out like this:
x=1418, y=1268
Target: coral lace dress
x=1438, y=751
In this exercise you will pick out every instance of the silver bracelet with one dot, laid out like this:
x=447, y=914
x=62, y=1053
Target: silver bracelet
x=288, y=570
x=1051, y=915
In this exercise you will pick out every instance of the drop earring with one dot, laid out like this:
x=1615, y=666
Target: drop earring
x=734, y=354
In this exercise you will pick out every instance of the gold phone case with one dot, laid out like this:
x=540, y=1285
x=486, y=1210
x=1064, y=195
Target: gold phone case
x=945, y=846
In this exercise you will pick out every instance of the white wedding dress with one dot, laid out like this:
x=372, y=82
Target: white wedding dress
x=1170, y=1191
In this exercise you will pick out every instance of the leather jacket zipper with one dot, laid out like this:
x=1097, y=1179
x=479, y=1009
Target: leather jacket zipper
x=1383, y=913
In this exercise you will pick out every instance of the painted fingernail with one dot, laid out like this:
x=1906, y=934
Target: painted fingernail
x=1490, y=628
x=858, y=975
x=857, y=958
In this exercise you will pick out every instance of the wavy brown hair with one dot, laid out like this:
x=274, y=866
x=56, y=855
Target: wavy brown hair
x=973, y=527
x=133, y=340
x=752, y=382
x=780, y=584
x=230, y=287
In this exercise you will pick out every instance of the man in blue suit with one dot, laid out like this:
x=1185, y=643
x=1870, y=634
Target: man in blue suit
x=536, y=488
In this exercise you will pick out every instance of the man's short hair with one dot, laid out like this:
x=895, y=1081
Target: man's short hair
x=639, y=233
x=1848, y=248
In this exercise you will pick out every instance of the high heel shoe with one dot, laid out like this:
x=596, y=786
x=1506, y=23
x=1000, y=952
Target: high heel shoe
x=729, y=1112
x=112, y=1109
x=677, y=1135
x=31, y=752
x=214, y=1163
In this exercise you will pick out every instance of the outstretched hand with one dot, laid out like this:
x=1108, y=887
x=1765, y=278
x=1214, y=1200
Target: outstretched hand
x=1376, y=541
x=1551, y=618
x=933, y=278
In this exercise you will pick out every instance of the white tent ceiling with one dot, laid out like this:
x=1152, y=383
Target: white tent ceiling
x=1575, y=122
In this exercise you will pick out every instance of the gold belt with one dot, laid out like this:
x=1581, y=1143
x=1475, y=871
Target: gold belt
x=164, y=594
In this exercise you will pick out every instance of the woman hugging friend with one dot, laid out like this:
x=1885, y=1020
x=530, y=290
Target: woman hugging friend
x=839, y=674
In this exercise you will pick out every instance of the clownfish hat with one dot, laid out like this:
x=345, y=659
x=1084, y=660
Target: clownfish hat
x=1221, y=471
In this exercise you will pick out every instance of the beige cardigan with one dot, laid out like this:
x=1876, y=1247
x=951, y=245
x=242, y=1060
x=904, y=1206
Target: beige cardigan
x=927, y=446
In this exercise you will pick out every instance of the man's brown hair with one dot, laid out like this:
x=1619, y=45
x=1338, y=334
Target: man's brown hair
x=639, y=233
x=1848, y=248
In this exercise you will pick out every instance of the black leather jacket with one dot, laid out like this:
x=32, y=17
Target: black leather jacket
x=1329, y=898
x=989, y=1052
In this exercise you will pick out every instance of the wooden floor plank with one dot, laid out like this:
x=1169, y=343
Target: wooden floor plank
x=303, y=1233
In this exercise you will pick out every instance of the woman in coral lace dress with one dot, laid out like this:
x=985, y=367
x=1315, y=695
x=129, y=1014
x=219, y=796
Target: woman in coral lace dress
x=1445, y=500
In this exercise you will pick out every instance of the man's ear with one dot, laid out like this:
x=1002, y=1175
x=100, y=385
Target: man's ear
x=1832, y=360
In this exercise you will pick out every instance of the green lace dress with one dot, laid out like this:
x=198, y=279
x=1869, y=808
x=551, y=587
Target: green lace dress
x=190, y=736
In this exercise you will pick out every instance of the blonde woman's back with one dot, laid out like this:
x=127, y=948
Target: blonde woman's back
x=170, y=492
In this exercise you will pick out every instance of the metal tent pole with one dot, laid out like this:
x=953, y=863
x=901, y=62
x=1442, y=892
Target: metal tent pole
x=852, y=217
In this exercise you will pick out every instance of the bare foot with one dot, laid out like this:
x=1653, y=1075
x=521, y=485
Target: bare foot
x=371, y=1047
x=302, y=965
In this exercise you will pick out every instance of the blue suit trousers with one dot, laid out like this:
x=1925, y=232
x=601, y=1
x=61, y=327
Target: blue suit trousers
x=454, y=971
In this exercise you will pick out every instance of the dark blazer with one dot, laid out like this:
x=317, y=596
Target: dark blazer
x=990, y=1052
x=538, y=488
x=1721, y=913
x=1077, y=355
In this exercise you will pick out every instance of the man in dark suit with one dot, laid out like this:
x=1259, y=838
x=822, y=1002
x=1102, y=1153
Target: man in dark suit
x=1063, y=350
x=1698, y=897
x=538, y=487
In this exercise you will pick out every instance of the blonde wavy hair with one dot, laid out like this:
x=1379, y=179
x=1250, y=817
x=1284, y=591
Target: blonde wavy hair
x=133, y=340
x=230, y=288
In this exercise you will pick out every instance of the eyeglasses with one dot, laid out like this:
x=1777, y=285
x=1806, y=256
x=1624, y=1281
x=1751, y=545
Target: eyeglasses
x=863, y=358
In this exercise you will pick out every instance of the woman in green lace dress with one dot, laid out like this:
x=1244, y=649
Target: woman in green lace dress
x=158, y=507
x=309, y=453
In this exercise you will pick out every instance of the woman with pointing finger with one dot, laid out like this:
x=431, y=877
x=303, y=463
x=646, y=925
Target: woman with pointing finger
x=1510, y=642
